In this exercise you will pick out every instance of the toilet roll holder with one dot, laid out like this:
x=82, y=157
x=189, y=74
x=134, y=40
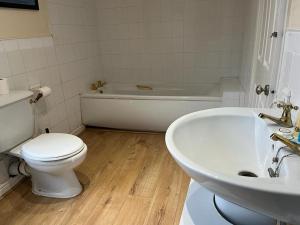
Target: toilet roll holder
x=38, y=93
x=36, y=99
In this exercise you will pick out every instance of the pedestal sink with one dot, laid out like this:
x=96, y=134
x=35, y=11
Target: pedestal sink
x=228, y=151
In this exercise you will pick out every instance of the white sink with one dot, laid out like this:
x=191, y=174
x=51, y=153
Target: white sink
x=214, y=146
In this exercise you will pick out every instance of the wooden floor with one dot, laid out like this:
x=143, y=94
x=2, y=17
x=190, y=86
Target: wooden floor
x=128, y=178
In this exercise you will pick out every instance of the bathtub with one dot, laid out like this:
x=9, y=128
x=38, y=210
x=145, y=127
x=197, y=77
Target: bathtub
x=145, y=110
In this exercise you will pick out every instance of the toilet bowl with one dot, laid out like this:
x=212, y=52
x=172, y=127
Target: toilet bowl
x=48, y=158
x=51, y=159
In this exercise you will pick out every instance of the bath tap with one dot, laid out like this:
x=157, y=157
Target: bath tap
x=97, y=85
x=294, y=147
x=286, y=118
x=101, y=83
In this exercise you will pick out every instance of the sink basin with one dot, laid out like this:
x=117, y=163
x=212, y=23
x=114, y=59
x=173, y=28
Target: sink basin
x=223, y=149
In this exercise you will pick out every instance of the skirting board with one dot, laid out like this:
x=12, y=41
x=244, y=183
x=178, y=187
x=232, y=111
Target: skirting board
x=78, y=130
x=8, y=185
x=11, y=182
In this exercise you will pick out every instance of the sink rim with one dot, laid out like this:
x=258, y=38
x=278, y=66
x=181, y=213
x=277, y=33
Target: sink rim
x=271, y=185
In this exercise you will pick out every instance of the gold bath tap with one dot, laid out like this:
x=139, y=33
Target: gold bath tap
x=286, y=118
x=101, y=83
x=98, y=84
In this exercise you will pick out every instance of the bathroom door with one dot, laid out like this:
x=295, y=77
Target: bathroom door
x=270, y=30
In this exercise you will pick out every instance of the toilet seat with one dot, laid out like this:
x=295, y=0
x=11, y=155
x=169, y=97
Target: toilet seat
x=55, y=165
x=52, y=147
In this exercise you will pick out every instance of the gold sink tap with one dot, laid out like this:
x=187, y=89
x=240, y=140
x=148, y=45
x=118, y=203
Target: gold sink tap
x=294, y=147
x=286, y=118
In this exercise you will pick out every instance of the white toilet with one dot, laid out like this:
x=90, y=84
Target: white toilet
x=51, y=157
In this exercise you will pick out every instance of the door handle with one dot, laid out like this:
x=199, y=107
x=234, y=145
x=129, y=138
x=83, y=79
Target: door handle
x=274, y=34
x=260, y=89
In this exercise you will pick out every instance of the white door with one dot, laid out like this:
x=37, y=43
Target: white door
x=269, y=39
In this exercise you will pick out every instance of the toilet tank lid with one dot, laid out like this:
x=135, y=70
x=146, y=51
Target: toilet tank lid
x=14, y=96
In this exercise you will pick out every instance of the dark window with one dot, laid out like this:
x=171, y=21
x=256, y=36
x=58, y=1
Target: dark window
x=21, y=4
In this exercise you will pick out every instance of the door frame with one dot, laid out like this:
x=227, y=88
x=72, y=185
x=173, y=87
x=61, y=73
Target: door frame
x=282, y=22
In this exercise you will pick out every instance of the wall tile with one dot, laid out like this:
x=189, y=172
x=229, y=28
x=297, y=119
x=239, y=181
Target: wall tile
x=4, y=64
x=66, y=62
x=207, y=35
x=289, y=76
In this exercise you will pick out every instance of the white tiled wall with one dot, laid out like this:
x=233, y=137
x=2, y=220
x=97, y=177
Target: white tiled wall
x=233, y=94
x=67, y=63
x=170, y=42
x=290, y=72
x=248, y=47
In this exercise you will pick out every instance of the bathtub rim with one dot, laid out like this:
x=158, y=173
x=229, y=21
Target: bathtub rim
x=151, y=97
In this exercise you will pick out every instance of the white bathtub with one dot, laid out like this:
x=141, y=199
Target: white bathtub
x=133, y=109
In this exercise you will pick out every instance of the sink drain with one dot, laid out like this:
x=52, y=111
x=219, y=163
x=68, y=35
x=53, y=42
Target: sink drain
x=247, y=174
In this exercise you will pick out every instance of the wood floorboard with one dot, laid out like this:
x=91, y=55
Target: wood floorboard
x=128, y=179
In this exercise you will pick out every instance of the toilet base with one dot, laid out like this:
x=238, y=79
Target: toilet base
x=64, y=185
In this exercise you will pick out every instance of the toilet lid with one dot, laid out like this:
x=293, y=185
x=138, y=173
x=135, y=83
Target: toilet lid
x=51, y=147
